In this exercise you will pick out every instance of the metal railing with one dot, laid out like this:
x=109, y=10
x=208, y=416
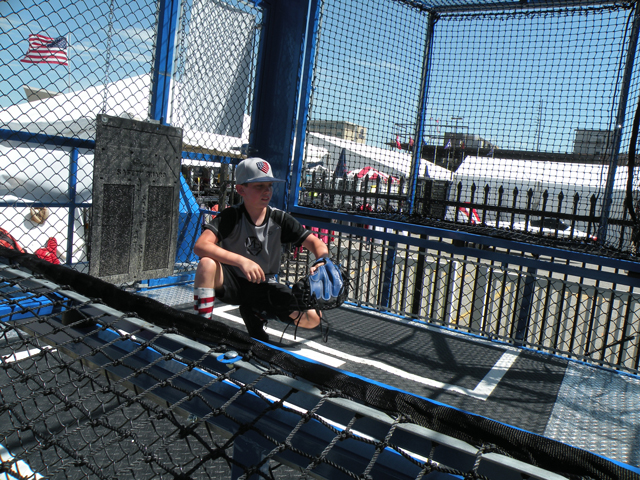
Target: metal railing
x=565, y=306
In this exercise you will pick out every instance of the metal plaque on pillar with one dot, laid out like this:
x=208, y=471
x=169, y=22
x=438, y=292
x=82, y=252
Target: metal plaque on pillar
x=136, y=188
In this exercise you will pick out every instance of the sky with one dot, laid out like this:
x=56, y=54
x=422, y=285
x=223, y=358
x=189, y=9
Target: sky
x=95, y=57
x=518, y=81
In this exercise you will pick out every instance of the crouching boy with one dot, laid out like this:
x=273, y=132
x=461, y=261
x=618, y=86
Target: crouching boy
x=240, y=253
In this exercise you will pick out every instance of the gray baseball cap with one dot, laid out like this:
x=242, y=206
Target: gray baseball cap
x=252, y=170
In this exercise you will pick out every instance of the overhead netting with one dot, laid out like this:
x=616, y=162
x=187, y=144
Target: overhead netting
x=98, y=382
x=512, y=116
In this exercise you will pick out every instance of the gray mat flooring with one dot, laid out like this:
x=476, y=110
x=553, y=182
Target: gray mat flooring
x=591, y=408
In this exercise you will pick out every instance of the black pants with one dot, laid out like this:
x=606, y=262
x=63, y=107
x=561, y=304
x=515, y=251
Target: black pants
x=271, y=298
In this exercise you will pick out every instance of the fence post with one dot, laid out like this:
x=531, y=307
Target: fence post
x=278, y=78
x=419, y=280
x=617, y=133
x=525, y=306
x=387, y=275
x=419, y=131
x=163, y=68
x=73, y=181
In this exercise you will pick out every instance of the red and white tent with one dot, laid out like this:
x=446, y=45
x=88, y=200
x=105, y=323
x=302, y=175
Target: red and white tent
x=372, y=174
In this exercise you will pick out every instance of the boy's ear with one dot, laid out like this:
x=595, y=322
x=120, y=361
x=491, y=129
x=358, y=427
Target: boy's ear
x=240, y=189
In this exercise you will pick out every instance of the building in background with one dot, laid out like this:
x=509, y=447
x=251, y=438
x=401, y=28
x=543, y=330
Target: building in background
x=339, y=129
x=592, y=142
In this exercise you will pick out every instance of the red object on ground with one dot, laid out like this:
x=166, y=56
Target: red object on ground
x=49, y=253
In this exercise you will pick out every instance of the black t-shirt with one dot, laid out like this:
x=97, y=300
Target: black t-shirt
x=237, y=233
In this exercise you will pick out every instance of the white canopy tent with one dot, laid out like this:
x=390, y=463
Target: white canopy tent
x=73, y=115
x=390, y=162
x=40, y=173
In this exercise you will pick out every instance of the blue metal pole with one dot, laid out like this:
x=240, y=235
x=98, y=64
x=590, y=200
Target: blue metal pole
x=303, y=107
x=617, y=133
x=165, y=46
x=43, y=139
x=522, y=327
x=387, y=275
x=277, y=87
x=73, y=181
x=419, y=132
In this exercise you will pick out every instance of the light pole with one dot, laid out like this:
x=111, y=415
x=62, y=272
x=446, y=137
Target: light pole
x=456, y=130
x=455, y=135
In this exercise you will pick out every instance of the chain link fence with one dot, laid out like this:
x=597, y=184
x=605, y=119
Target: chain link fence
x=66, y=64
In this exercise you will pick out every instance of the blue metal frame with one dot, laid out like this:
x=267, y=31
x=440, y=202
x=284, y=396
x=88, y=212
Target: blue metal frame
x=73, y=181
x=207, y=157
x=44, y=139
x=389, y=265
x=163, y=68
x=303, y=107
x=424, y=97
x=617, y=136
x=276, y=90
x=322, y=219
x=72, y=205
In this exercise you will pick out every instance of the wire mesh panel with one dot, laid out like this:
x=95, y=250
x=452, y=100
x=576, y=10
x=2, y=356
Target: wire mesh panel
x=217, y=54
x=216, y=67
x=366, y=87
x=63, y=64
x=524, y=111
x=66, y=64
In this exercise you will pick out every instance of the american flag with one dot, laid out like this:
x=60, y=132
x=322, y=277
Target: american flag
x=263, y=167
x=46, y=50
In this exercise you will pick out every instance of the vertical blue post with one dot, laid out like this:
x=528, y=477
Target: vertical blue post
x=277, y=84
x=416, y=156
x=165, y=45
x=525, y=307
x=419, y=131
x=305, y=88
x=73, y=182
x=617, y=134
x=387, y=275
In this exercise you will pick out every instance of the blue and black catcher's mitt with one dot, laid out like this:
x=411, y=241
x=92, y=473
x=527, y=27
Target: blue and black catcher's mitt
x=324, y=289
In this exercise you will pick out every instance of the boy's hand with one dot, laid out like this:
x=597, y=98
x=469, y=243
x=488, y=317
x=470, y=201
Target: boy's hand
x=317, y=264
x=324, y=288
x=252, y=271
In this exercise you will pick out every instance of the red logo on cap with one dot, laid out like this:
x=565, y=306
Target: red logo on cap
x=263, y=167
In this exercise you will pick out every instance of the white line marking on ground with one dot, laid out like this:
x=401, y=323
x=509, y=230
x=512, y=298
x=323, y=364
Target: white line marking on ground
x=320, y=357
x=19, y=468
x=18, y=356
x=482, y=391
x=493, y=377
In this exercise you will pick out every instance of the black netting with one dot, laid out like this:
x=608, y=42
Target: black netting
x=103, y=394
x=507, y=118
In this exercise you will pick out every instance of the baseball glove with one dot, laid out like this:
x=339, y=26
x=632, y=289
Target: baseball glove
x=324, y=289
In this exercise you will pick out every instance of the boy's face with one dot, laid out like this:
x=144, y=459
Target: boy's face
x=256, y=194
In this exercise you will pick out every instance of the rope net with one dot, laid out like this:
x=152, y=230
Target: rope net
x=512, y=119
x=98, y=382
